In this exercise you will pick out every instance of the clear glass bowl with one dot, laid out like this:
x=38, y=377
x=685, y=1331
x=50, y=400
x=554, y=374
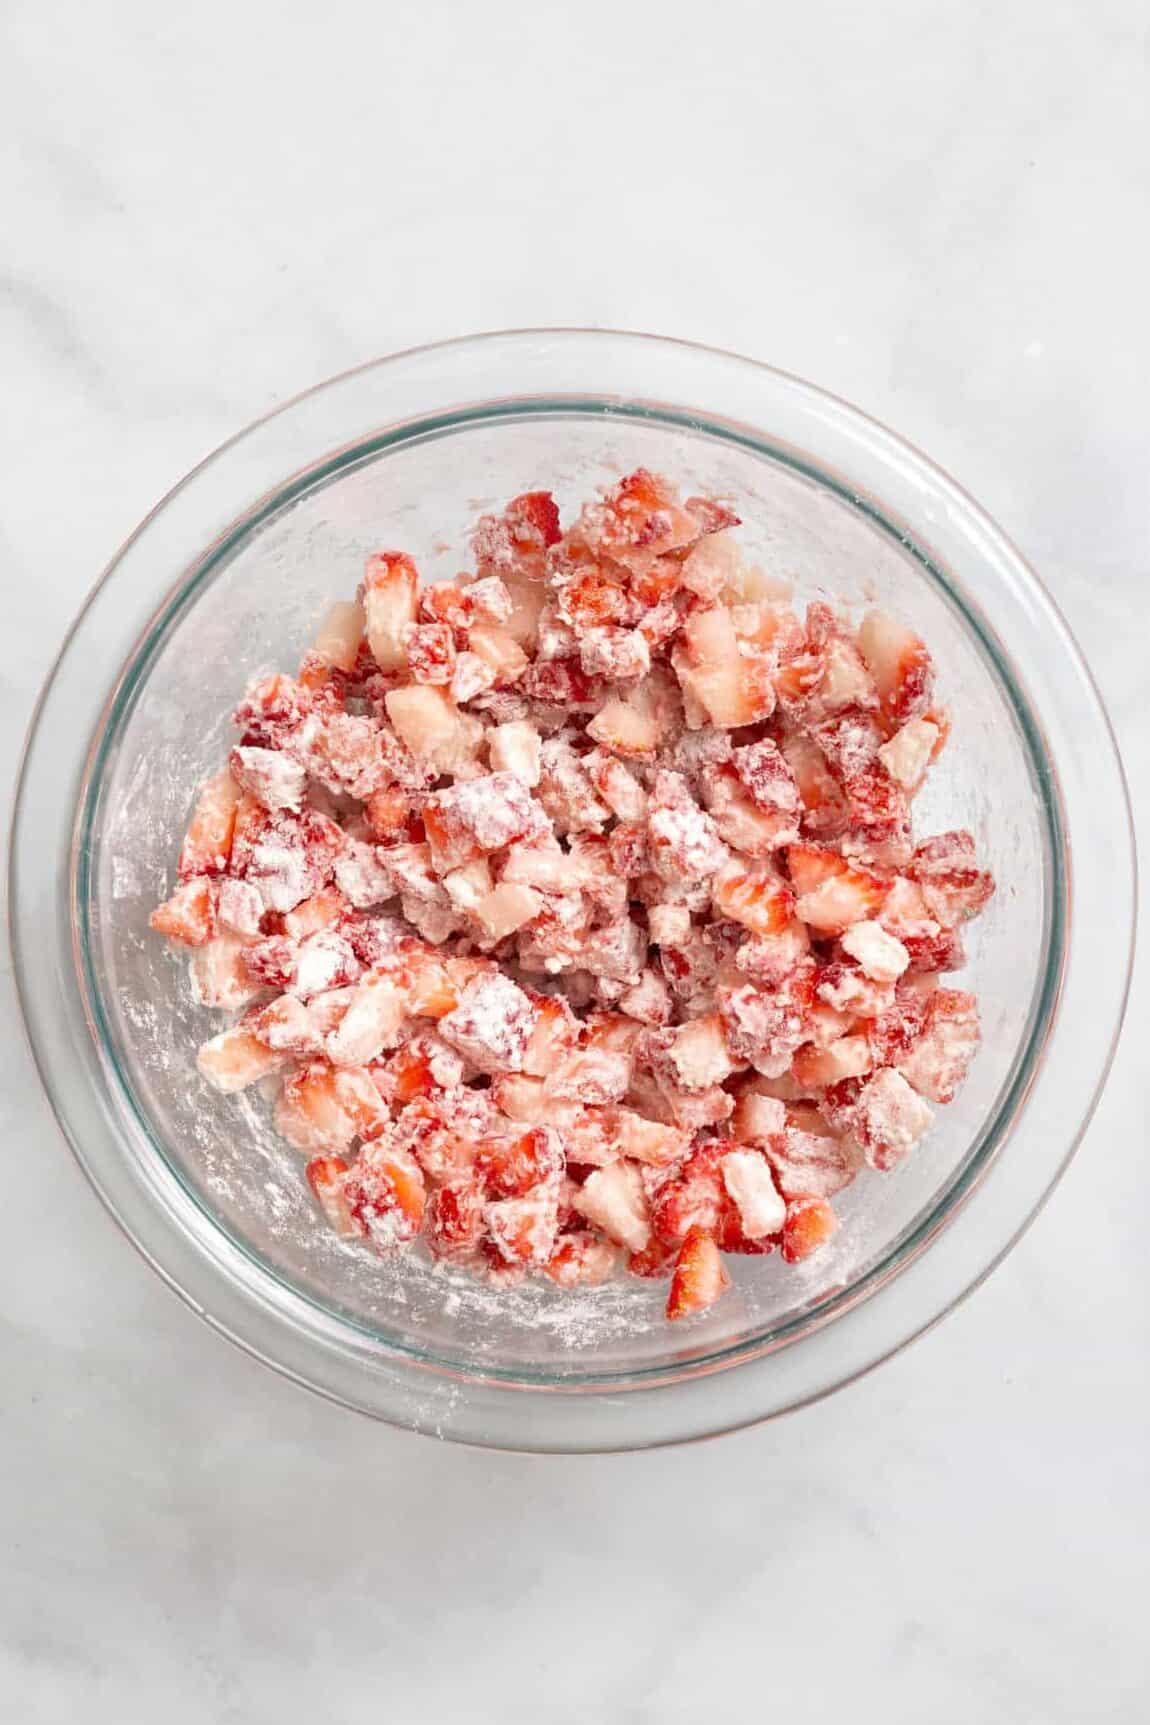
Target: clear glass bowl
x=229, y=575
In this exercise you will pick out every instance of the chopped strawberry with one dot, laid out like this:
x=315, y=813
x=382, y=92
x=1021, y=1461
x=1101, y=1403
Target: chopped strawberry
x=327, y=1177
x=699, y=1279
x=455, y=1219
x=939, y=1058
x=581, y=1258
x=385, y=1193
x=810, y=1223
x=900, y=665
x=236, y=1059
x=207, y=845
x=952, y=885
x=189, y=916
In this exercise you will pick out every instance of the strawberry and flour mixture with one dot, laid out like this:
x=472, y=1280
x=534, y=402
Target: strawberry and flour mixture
x=574, y=908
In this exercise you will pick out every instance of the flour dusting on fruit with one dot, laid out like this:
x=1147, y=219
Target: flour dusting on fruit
x=572, y=910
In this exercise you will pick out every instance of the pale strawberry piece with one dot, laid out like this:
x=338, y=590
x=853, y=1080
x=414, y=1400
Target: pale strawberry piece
x=754, y=895
x=768, y=960
x=442, y=1132
x=849, y=741
x=235, y=1059
x=809, y=1225
x=388, y=811
x=516, y=748
x=430, y=649
x=699, y=1278
x=505, y=909
x=325, y=909
x=523, y=1230
x=938, y=1061
x=740, y=691
x=454, y=1220
x=888, y=1119
x=219, y=976
x=751, y=1188
x=554, y=1034
x=669, y=924
x=845, y=683
x=310, y=1114
x=648, y=1000
x=617, y=951
x=207, y=844
x=499, y=651
x=189, y=916
x=430, y=724
x=619, y=655
x=287, y=1026
x=899, y=663
x=363, y=875
x=479, y=816
x=632, y=1135
x=616, y=785
x=614, y=1199
x=323, y=961
x=370, y=1024
x=695, y=1056
x=539, y=862
x=326, y=1176
x=471, y=678
x=340, y=635
x=848, y=1057
x=626, y=728
x=581, y=1259
x=385, y=1193
x=909, y=753
x=849, y=993
x=391, y=602
x=274, y=777
x=767, y=1026
x=950, y=881
x=565, y=790
x=239, y=907
x=683, y=841
x=879, y=954
x=532, y=1102
x=758, y=1118
x=593, y=1073
x=287, y=857
x=740, y=821
x=824, y=806
x=491, y=1025
x=811, y=1164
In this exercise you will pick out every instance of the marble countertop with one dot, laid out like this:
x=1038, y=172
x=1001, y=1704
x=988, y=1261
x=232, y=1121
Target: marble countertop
x=938, y=212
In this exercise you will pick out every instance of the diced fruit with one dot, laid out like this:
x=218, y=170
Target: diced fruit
x=751, y=1188
x=219, y=975
x=573, y=907
x=391, y=600
x=899, y=663
x=433, y=727
x=581, y=1259
x=699, y=1279
x=938, y=1060
x=491, y=1025
x=386, y=1194
x=614, y=1199
x=340, y=635
x=189, y=916
x=810, y=1224
x=207, y=844
x=235, y=1059
x=327, y=1177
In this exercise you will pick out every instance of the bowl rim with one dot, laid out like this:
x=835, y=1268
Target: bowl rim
x=967, y=1176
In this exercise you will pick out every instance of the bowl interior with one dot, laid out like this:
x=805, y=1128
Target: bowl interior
x=251, y=604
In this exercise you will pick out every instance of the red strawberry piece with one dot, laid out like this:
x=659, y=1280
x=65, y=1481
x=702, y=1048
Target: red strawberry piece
x=699, y=1278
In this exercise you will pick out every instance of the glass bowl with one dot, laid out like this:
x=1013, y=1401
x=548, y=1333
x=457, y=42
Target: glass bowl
x=229, y=575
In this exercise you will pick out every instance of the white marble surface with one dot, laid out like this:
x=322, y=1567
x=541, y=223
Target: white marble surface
x=937, y=210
